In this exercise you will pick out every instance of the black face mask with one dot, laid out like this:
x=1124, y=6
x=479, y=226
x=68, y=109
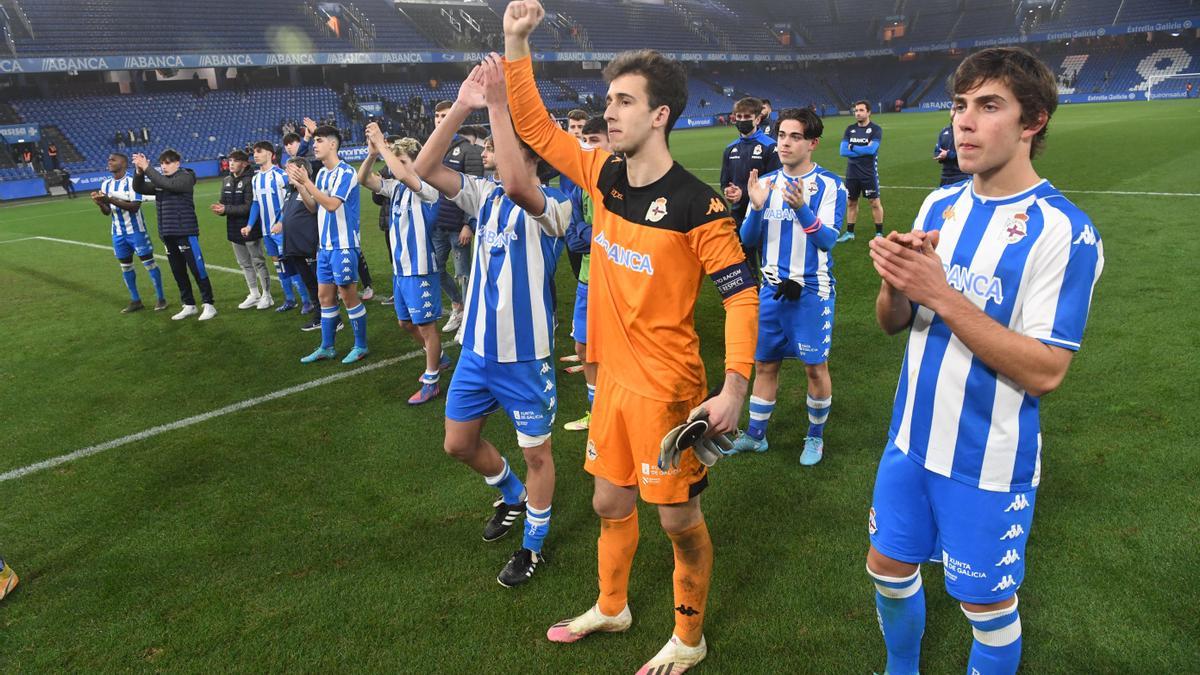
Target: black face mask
x=744, y=126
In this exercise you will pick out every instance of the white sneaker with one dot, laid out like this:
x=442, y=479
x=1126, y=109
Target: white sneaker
x=675, y=658
x=591, y=621
x=208, y=313
x=250, y=301
x=185, y=312
x=455, y=321
x=265, y=301
x=367, y=293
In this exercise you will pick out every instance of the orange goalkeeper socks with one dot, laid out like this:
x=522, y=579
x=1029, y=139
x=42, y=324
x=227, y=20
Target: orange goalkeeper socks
x=693, y=573
x=618, y=542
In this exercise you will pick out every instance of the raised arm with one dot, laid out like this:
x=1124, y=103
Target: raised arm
x=522, y=187
x=529, y=116
x=429, y=162
x=366, y=171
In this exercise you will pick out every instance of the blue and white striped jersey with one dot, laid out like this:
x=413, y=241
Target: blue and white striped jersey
x=338, y=228
x=509, y=314
x=412, y=221
x=124, y=222
x=1030, y=261
x=269, y=189
x=788, y=252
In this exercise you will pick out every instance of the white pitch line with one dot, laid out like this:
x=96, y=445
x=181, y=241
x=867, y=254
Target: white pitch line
x=13, y=241
x=102, y=247
x=203, y=417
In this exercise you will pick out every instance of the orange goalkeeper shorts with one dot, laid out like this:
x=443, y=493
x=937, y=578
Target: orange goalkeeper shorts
x=624, y=439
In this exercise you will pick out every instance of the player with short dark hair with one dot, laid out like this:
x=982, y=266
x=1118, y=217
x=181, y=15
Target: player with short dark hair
x=173, y=188
x=946, y=154
x=993, y=285
x=575, y=121
x=234, y=203
x=860, y=145
x=765, y=125
x=333, y=196
x=753, y=150
x=794, y=219
x=657, y=230
x=417, y=293
x=117, y=199
x=269, y=185
x=508, y=330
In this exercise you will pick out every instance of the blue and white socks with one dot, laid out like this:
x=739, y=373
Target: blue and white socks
x=155, y=276
x=285, y=280
x=512, y=490
x=818, y=413
x=537, y=524
x=329, y=323
x=130, y=281
x=358, y=321
x=591, y=391
x=760, y=415
x=900, y=606
x=997, y=646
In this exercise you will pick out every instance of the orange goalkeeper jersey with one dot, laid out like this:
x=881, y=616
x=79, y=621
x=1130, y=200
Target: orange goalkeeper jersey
x=650, y=248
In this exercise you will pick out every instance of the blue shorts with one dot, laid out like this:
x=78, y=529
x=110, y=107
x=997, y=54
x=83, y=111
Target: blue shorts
x=794, y=329
x=417, y=298
x=274, y=244
x=525, y=389
x=339, y=266
x=579, y=318
x=125, y=246
x=981, y=534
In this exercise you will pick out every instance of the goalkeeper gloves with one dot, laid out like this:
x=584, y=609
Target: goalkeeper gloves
x=691, y=434
x=788, y=290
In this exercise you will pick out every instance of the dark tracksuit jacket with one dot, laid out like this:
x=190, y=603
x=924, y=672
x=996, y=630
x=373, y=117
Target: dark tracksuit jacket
x=237, y=195
x=178, y=227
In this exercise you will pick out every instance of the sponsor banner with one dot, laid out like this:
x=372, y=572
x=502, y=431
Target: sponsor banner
x=371, y=107
x=91, y=180
x=353, y=154
x=235, y=60
x=22, y=189
x=695, y=122
x=20, y=133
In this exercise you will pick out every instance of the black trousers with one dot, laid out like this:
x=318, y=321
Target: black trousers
x=183, y=253
x=307, y=269
x=364, y=274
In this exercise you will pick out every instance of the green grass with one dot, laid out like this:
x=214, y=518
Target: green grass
x=327, y=530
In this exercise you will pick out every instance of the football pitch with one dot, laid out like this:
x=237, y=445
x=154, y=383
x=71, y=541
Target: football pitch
x=183, y=496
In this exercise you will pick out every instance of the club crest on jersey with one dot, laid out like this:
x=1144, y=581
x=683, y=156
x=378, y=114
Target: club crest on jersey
x=658, y=209
x=757, y=150
x=591, y=450
x=1015, y=228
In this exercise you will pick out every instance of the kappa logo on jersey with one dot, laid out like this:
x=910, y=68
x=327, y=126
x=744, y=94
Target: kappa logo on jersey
x=826, y=326
x=714, y=206
x=1006, y=582
x=1009, y=558
x=1013, y=532
x=424, y=284
x=638, y=262
x=549, y=386
x=426, y=294
x=545, y=368
x=1015, y=228
x=872, y=528
x=1087, y=237
x=658, y=209
x=826, y=312
x=1019, y=503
